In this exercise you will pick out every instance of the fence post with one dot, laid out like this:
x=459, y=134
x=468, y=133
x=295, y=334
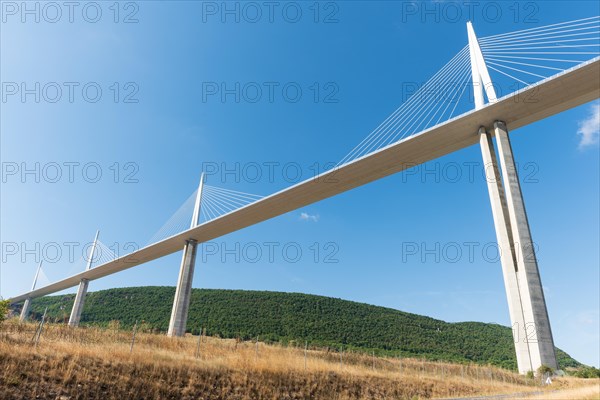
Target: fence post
x=39, y=333
x=256, y=350
x=133, y=336
x=197, y=354
x=400, y=364
x=305, y=350
x=373, y=360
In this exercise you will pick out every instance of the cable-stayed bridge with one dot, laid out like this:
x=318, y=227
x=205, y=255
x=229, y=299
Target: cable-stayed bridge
x=543, y=70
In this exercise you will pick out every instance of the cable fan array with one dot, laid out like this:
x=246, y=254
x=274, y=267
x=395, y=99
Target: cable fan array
x=521, y=58
x=218, y=201
x=434, y=102
x=178, y=222
x=530, y=55
x=102, y=254
x=214, y=203
x=43, y=279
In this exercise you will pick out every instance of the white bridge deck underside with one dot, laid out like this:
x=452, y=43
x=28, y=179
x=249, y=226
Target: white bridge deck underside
x=572, y=88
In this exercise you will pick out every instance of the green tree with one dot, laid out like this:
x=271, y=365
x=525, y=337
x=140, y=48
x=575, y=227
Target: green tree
x=4, y=305
x=587, y=372
x=530, y=375
x=544, y=369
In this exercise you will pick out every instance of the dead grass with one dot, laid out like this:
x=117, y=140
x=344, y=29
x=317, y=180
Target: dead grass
x=92, y=363
x=591, y=392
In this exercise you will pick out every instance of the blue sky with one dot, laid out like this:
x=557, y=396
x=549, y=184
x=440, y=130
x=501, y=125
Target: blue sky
x=164, y=127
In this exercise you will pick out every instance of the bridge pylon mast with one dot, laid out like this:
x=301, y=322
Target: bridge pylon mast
x=532, y=334
x=183, y=292
x=27, y=304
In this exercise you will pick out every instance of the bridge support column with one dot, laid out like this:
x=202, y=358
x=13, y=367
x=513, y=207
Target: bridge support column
x=531, y=327
x=537, y=332
x=78, y=304
x=25, y=310
x=505, y=246
x=183, y=292
x=83, y=287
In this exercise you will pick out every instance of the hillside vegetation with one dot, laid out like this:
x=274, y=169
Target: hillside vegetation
x=293, y=318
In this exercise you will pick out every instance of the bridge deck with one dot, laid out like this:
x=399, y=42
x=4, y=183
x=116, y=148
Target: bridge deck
x=574, y=87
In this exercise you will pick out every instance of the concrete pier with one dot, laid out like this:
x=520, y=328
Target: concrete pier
x=78, y=304
x=529, y=317
x=25, y=310
x=181, y=304
x=537, y=332
x=83, y=287
x=505, y=245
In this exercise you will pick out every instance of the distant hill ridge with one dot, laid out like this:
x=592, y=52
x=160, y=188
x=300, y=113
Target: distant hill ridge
x=293, y=318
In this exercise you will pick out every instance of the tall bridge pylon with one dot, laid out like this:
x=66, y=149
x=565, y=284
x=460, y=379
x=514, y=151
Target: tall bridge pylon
x=532, y=334
x=27, y=304
x=83, y=287
x=183, y=292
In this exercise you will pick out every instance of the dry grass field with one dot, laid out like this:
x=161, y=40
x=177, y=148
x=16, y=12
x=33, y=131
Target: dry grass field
x=92, y=363
x=591, y=392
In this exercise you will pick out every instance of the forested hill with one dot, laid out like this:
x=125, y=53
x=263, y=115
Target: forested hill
x=294, y=318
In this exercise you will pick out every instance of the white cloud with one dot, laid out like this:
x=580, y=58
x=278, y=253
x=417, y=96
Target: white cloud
x=309, y=217
x=589, y=128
